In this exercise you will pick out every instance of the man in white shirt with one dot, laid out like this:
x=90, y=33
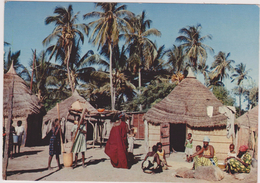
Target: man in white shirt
x=19, y=130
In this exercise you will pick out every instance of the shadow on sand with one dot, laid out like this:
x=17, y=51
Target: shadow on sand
x=25, y=153
x=96, y=161
x=25, y=171
x=47, y=174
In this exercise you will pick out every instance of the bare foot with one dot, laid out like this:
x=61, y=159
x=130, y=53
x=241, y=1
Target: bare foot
x=74, y=166
x=84, y=166
x=49, y=168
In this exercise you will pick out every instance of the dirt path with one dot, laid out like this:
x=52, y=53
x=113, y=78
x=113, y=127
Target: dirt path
x=32, y=165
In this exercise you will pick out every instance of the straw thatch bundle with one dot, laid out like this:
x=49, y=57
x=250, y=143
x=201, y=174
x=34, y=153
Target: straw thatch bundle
x=187, y=104
x=24, y=102
x=249, y=119
x=64, y=107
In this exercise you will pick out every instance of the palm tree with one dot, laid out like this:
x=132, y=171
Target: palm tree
x=221, y=64
x=176, y=59
x=138, y=41
x=14, y=58
x=66, y=31
x=155, y=66
x=203, y=69
x=107, y=29
x=192, y=43
x=240, y=75
x=81, y=69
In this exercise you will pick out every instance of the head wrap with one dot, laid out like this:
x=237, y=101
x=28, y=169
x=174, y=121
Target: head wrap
x=121, y=115
x=206, y=139
x=243, y=148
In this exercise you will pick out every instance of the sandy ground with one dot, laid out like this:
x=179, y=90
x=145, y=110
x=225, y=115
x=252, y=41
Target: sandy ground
x=31, y=165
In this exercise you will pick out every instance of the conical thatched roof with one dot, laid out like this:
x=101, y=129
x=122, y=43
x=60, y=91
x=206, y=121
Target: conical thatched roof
x=187, y=104
x=65, y=106
x=24, y=102
x=249, y=119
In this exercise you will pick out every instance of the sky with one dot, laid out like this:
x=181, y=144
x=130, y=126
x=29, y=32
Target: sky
x=234, y=27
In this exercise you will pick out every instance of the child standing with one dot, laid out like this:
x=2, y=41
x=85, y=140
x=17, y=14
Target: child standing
x=131, y=139
x=19, y=130
x=188, y=147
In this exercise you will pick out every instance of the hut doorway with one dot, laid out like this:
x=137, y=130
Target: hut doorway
x=177, y=137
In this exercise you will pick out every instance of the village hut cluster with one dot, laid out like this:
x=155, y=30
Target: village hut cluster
x=189, y=108
x=192, y=108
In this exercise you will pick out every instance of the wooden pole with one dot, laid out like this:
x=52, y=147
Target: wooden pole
x=8, y=127
x=62, y=145
x=34, y=58
x=81, y=120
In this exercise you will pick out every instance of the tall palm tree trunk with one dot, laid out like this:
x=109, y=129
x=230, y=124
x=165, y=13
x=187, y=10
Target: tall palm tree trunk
x=111, y=79
x=68, y=69
x=140, y=75
x=240, y=101
x=140, y=84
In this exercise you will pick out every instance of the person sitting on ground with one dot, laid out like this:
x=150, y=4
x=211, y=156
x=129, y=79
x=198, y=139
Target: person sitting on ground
x=54, y=147
x=231, y=153
x=19, y=130
x=79, y=144
x=198, y=148
x=162, y=158
x=208, y=157
x=151, y=163
x=241, y=163
x=188, y=147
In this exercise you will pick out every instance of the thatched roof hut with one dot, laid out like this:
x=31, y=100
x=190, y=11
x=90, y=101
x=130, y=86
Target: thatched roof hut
x=249, y=119
x=26, y=106
x=189, y=108
x=248, y=130
x=187, y=104
x=24, y=102
x=64, y=107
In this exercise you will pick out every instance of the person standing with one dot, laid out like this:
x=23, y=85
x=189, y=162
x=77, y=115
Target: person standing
x=19, y=130
x=117, y=144
x=54, y=147
x=188, y=147
x=79, y=144
x=12, y=132
x=131, y=139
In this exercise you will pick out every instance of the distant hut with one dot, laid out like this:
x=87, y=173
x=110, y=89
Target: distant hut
x=65, y=116
x=247, y=132
x=189, y=108
x=26, y=107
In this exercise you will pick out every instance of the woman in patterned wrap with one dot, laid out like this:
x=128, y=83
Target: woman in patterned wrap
x=241, y=163
x=54, y=147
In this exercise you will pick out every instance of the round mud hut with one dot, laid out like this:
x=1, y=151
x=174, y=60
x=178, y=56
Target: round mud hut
x=26, y=107
x=189, y=108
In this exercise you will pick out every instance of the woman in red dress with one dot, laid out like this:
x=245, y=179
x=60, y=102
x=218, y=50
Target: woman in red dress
x=117, y=144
